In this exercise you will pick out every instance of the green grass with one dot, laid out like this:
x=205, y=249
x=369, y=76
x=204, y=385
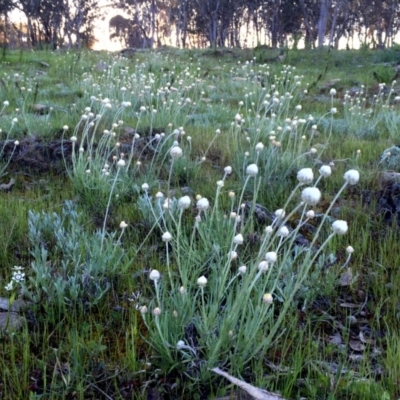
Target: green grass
x=84, y=335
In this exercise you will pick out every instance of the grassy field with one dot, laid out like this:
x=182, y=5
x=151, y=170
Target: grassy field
x=174, y=212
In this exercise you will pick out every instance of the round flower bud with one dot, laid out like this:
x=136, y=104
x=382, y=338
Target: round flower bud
x=252, y=170
x=154, y=275
x=166, y=237
x=176, y=152
x=238, y=239
x=184, y=202
x=143, y=310
x=145, y=187
x=325, y=171
x=73, y=139
x=311, y=195
x=267, y=298
x=157, y=311
x=202, y=281
x=340, y=227
x=352, y=176
x=310, y=214
x=16, y=143
x=305, y=176
x=332, y=92
x=271, y=257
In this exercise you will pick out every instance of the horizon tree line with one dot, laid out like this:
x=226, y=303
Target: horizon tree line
x=202, y=23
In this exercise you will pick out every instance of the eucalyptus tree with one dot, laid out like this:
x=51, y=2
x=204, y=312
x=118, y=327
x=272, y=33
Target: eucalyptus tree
x=50, y=23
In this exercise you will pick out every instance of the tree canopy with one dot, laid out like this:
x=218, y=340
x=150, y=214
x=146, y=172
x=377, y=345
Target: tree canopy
x=202, y=23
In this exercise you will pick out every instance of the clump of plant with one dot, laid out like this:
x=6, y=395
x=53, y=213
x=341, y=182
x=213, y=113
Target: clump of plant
x=6, y=158
x=221, y=300
x=70, y=265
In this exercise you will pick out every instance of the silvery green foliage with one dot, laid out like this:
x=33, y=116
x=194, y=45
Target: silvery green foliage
x=68, y=265
x=390, y=159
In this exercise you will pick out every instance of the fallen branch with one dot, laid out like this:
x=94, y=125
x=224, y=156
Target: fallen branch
x=7, y=186
x=258, y=394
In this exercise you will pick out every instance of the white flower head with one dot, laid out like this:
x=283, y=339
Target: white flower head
x=203, y=204
x=252, y=170
x=271, y=257
x=166, y=237
x=180, y=345
x=202, y=281
x=305, y=175
x=166, y=204
x=259, y=147
x=228, y=170
x=121, y=163
x=280, y=213
x=350, y=249
x=176, y=152
x=283, y=232
x=242, y=270
x=9, y=286
x=332, y=92
x=340, y=227
x=73, y=139
x=154, y=275
x=233, y=255
x=18, y=276
x=269, y=229
x=311, y=195
x=310, y=214
x=238, y=239
x=238, y=118
x=263, y=266
x=325, y=171
x=352, y=176
x=184, y=202
x=145, y=187
x=123, y=225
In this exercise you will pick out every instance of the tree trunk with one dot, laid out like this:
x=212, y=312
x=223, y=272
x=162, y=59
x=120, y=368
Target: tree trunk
x=323, y=21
